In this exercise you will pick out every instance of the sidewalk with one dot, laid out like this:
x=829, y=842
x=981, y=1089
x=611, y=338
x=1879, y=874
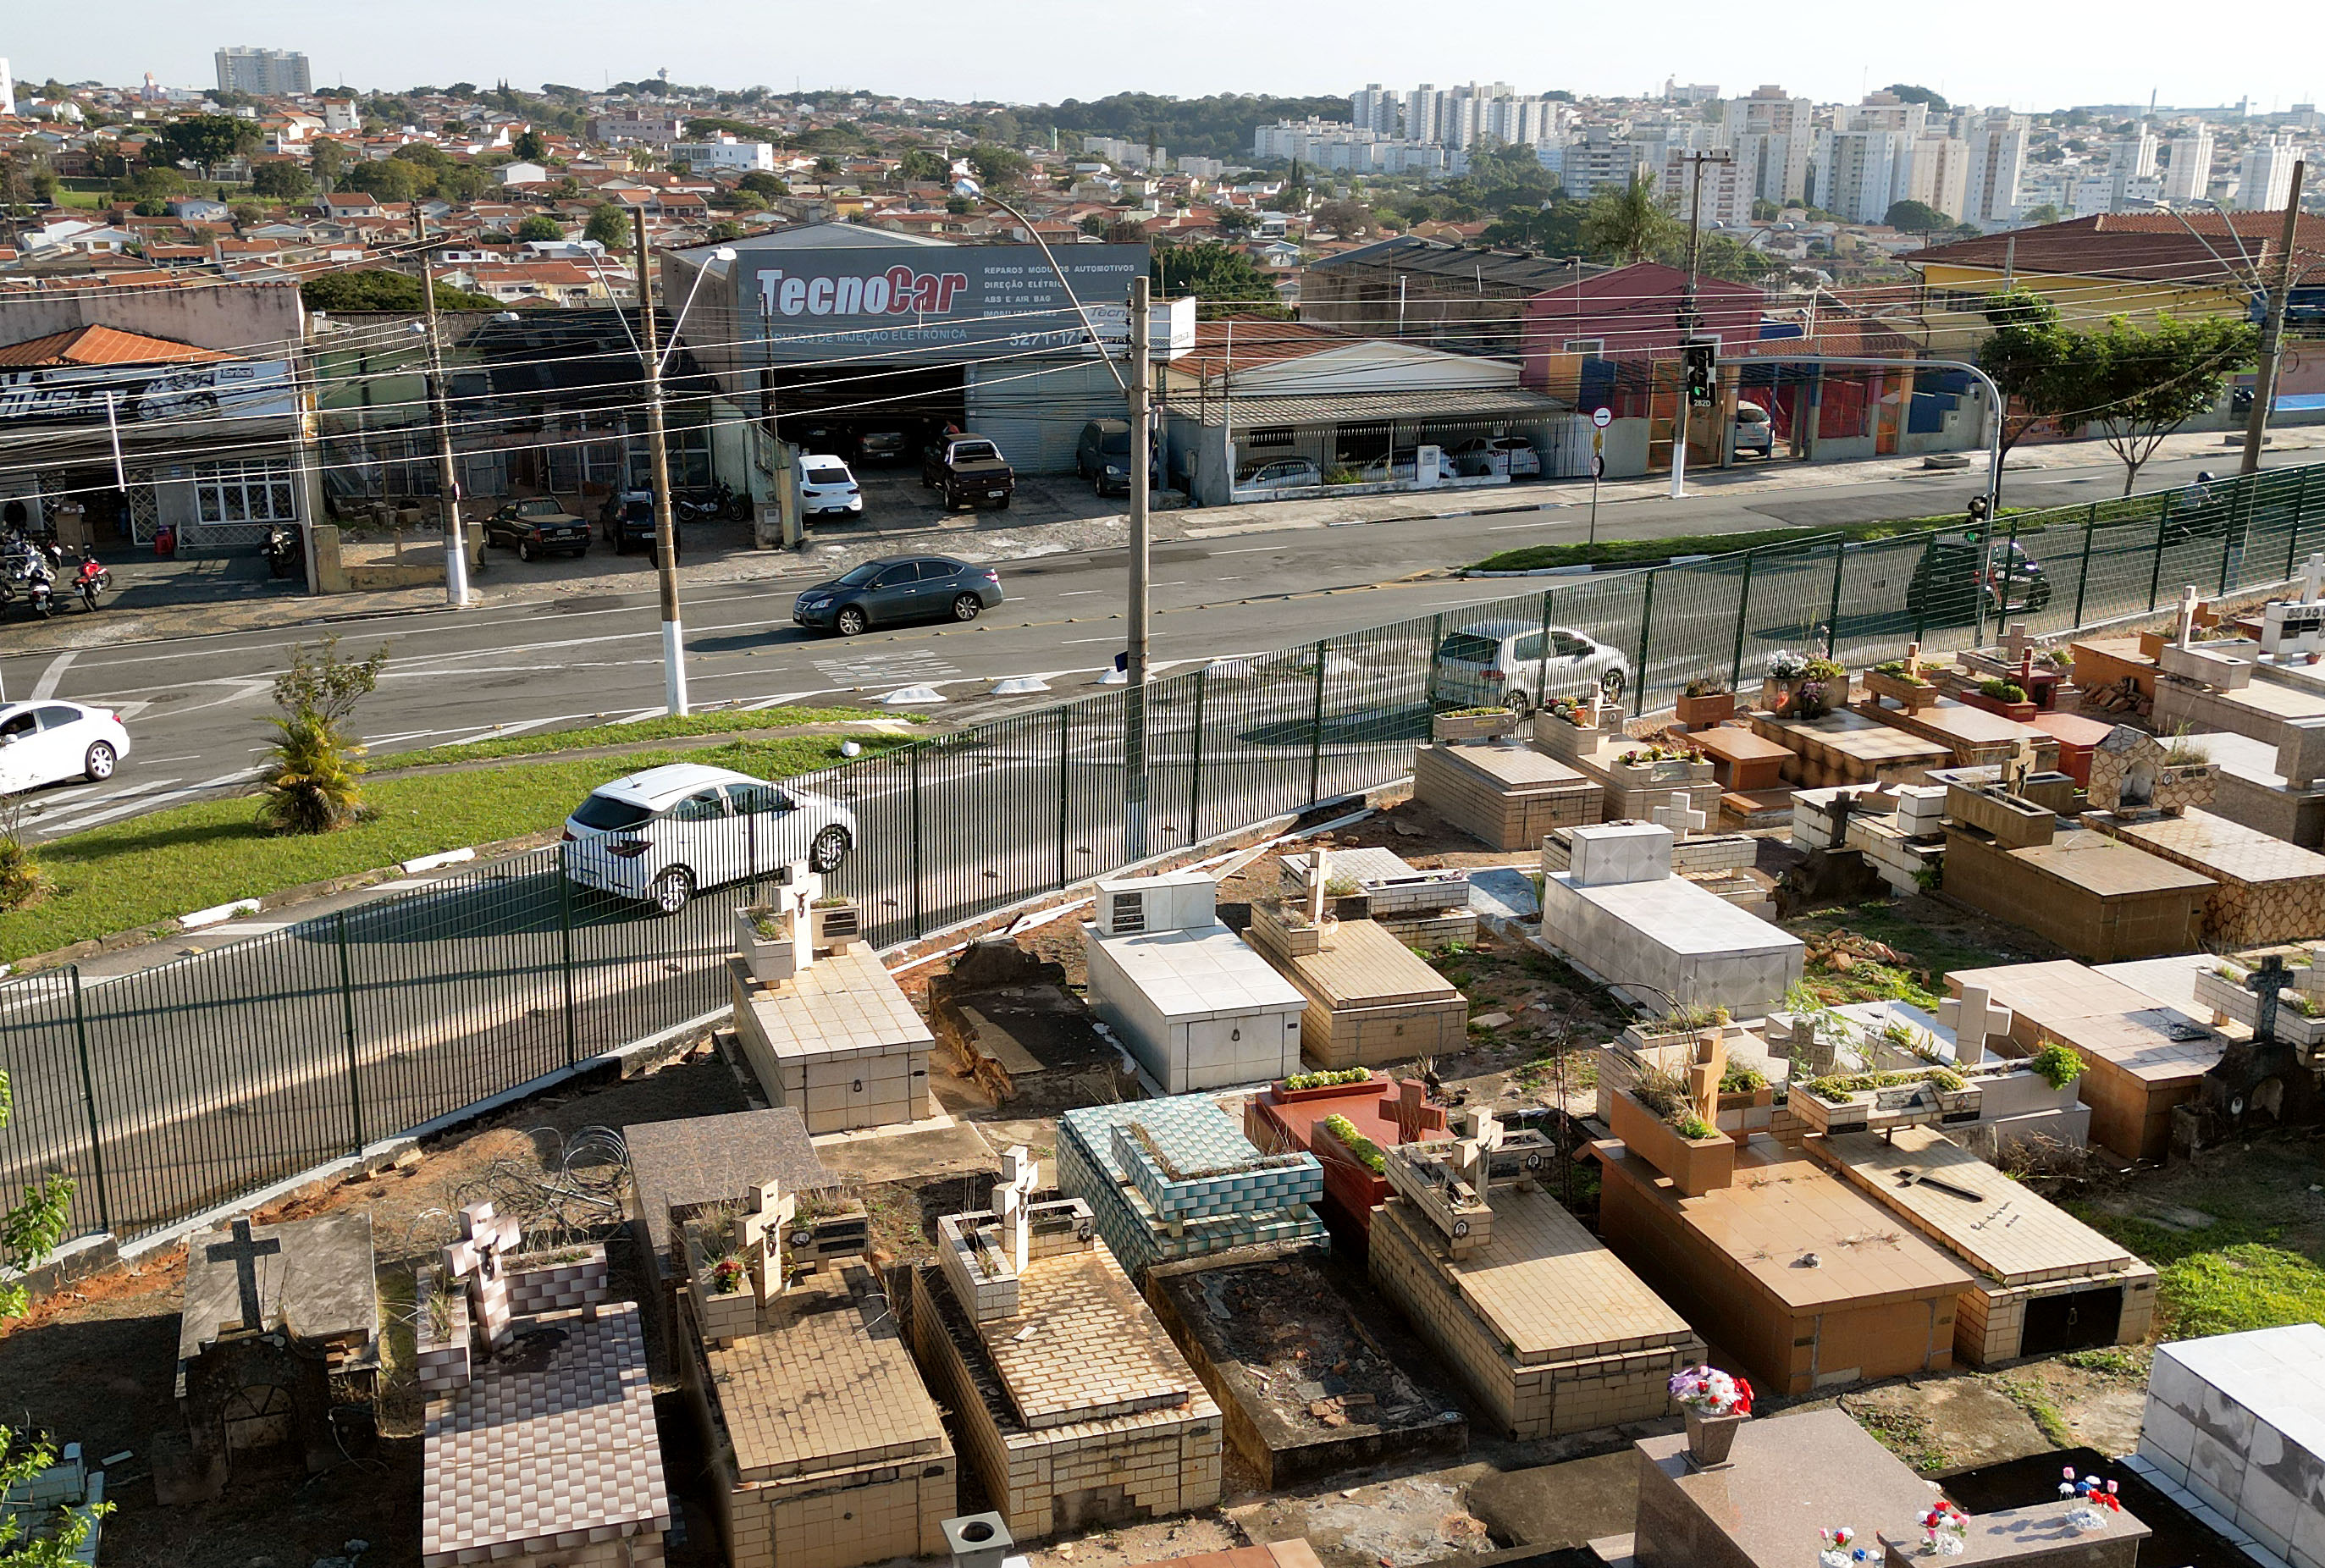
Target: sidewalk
x=998, y=537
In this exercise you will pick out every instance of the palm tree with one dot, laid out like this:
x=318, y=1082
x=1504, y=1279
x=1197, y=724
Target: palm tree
x=1629, y=222
x=310, y=777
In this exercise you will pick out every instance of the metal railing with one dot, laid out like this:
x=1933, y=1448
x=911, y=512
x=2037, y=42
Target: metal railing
x=173, y=1089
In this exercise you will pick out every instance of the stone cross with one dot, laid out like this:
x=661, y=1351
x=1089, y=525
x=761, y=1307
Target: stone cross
x=2017, y=647
x=1974, y=1019
x=1316, y=887
x=1913, y=659
x=2017, y=766
x=1704, y=1073
x=1473, y=1154
x=797, y=895
x=2313, y=578
x=244, y=1253
x=2264, y=982
x=1011, y=1195
x=477, y=1259
x=2184, y=628
x=1679, y=815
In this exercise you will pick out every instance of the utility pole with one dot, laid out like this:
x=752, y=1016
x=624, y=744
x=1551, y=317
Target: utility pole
x=1687, y=321
x=674, y=638
x=1141, y=459
x=2272, y=328
x=456, y=544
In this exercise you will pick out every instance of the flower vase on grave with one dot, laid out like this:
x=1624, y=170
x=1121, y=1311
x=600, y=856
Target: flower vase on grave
x=1710, y=1438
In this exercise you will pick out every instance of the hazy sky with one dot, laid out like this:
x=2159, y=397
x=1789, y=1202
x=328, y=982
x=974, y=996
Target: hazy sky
x=1029, y=51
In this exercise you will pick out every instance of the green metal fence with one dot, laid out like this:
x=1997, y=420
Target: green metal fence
x=174, y=1089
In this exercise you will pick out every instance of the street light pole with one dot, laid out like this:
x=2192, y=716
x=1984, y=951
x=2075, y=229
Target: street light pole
x=2271, y=330
x=674, y=638
x=1141, y=460
x=455, y=544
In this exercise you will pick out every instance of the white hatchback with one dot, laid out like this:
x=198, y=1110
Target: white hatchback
x=45, y=742
x=827, y=486
x=667, y=833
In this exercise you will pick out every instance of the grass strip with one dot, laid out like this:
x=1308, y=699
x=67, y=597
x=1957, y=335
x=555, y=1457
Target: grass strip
x=1653, y=552
x=542, y=743
x=145, y=872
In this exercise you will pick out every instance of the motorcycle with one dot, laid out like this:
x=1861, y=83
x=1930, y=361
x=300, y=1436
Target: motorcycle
x=723, y=502
x=39, y=586
x=281, y=551
x=91, y=581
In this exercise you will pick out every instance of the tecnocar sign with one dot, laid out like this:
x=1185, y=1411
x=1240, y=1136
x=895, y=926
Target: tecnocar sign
x=930, y=304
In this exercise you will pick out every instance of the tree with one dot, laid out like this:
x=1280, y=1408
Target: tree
x=1232, y=220
x=528, y=147
x=919, y=166
x=2139, y=383
x=1765, y=210
x=608, y=225
x=2047, y=213
x=998, y=166
x=1349, y=219
x=1920, y=95
x=1628, y=222
x=328, y=163
x=246, y=215
x=282, y=180
x=2026, y=355
x=1213, y=271
x=208, y=139
x=393, y=180
x=309, y=781
x=377, y=288
x=759, y=182
x=1915, y=217
x=725, y=229
x=540, y=226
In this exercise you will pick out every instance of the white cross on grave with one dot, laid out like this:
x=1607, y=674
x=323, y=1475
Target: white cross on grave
x=2313, y=578
x=1473, y=1154
x=1316, y=880
x=476, y=1259
x=2184, y=628
x=1973, y=1018
x=767, y=1211
x=1679, y=815
x=1011, y=1194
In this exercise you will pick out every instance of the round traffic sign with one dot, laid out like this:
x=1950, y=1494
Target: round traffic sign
x=1602, y=416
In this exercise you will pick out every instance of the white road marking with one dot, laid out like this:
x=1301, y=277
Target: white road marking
x=1505, y=527
x=1079, y=592
x=643, y=713
x=1253, y=550
x=150, y=802
x=46, y=686
x=499, y=730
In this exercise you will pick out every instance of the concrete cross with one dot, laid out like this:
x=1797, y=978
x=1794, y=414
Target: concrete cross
x=1974, y=1019
x=2017, y=766
x=2265, y=982
x=1913, y=659
x=1679, y=815
x=244, y=1253
x=2184, y=628
x=767, y=1209
x=1473, y=1154
x=2017, y=646
x=1704, y=1073
x=1410, y=1096
x=1011, y=1194
x=476, y=1259
x=2313, y=578
x=1316, y=877
x=800, y=887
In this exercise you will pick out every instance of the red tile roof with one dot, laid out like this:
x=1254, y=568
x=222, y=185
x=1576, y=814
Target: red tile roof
x=102, y=346
x=2152, y=245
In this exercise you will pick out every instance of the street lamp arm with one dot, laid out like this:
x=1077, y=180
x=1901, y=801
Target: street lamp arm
x=972, y=189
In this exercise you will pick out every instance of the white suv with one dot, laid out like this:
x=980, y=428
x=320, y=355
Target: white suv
x=1517, y=665
x=665, y=834
x=827, y=486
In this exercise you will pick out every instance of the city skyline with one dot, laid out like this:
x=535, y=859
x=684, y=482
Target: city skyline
x=1823, y=52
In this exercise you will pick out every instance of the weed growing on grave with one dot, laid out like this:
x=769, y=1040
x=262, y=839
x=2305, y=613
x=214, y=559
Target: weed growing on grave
x=1904, y=1433
x=2123, y=1362
x=2047, y=1417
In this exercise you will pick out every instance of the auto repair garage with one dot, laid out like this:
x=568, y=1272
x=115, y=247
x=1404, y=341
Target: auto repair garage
x=832, y=332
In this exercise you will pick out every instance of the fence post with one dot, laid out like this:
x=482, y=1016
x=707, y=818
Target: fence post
x=347, y=1024
x=1832, y=621
x=1541, y=669
x=1065, y=783
x=2156, y=576
x=915, y=785
x=89, y=1101
x=2300, y=515
x=1647, y=620
x=2083, y=577
x=2009, y=572
x=565, y=943
x=2234, y=532
x=1436, y=641
x=1316, y=726
x=1742, y=608
x=1195, y=765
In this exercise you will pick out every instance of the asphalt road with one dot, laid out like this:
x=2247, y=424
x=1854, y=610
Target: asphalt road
x=195, y=707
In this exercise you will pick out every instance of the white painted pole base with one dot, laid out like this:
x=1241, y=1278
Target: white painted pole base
x=673, y=668
x=456, y=569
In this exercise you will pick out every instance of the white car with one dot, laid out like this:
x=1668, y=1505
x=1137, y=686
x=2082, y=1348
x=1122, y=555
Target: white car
x=1283, y=474
x=665, y=834
x=1511, y=454
x=43, y=743
x=825, y=487
x=1517, y=665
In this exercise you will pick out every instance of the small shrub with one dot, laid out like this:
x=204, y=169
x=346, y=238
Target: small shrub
x=1706, y=686
x=2058, y=1065
x=2003, y=691
x=1897, y=670
x=1825, y=670
x=22, y=882
x=1740, y=1079
x=2182, y=752
x=1328, y=1079
x=1693, y=1127
x=1367, y=1152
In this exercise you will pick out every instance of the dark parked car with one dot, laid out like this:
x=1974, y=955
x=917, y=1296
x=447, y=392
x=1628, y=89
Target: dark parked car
x=627, y=523
x=536, y=527
x=1102, y=456
x=970, y=469
x=923, y=587
x=889, y=445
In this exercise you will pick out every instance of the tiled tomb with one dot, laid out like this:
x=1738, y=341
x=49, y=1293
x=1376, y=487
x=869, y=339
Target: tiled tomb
x=1506, y=794
x=540, y=1449
x=2044, y=1282
x=1618, y=911
x=37, y=1507
x=1176, y=1178
x=1188, y=999
x=1547, y=1329
x=2273, y=787
x=826, y=1031
x=2237, y=1422
x=1422, y=909
x=1370, y=999
x=1074, y=1406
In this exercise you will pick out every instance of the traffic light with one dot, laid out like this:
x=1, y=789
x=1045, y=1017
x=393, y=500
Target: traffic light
x=1701, y=358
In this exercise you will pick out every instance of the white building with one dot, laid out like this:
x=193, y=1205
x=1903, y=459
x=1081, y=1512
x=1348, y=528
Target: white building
x=1997, y=162
x=2189, y=175
x=1939, y=177
x=1726, y=191
x=1591, y=164
x=2265, y=184
x=1692, y=93
x=267, y=73
x=1781, y=174
x=726, y=152
x=1856, y=173
x=2129, y=160
x=8, y=90
x=653, y=127
x=339, y=116
x=1377, y=109
x=1885, y=111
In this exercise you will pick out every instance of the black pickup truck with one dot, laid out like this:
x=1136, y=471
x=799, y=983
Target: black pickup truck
x=970, y=469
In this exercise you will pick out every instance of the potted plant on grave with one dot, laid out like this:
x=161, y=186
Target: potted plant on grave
x=1717, y=1403
x=1568, y=725
x=2185, y=777
x=1780, y=688
x=2007, y=698
x=1900, y=681
x=1654, y=1119
x=765, y=938
x=1708, y=701
x=1471, y=724
x=1660, y=765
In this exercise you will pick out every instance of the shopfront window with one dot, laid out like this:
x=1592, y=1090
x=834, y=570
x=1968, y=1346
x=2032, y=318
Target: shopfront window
x=260, y=490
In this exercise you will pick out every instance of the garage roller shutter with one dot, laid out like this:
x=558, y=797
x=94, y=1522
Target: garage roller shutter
x=1037, y=418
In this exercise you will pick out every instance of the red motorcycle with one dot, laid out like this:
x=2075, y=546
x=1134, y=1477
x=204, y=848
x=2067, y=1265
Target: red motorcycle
x=90, y=580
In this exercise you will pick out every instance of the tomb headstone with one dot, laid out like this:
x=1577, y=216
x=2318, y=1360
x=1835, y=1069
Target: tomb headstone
x=244, y=1253
x=2264, y=982
x=476, y=1260
x=1611, y=852
x=1679, y=815
x=1014, y=1192
x=1974, y=1019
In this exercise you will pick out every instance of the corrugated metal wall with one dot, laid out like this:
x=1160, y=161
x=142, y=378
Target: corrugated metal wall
x=1034, y=409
